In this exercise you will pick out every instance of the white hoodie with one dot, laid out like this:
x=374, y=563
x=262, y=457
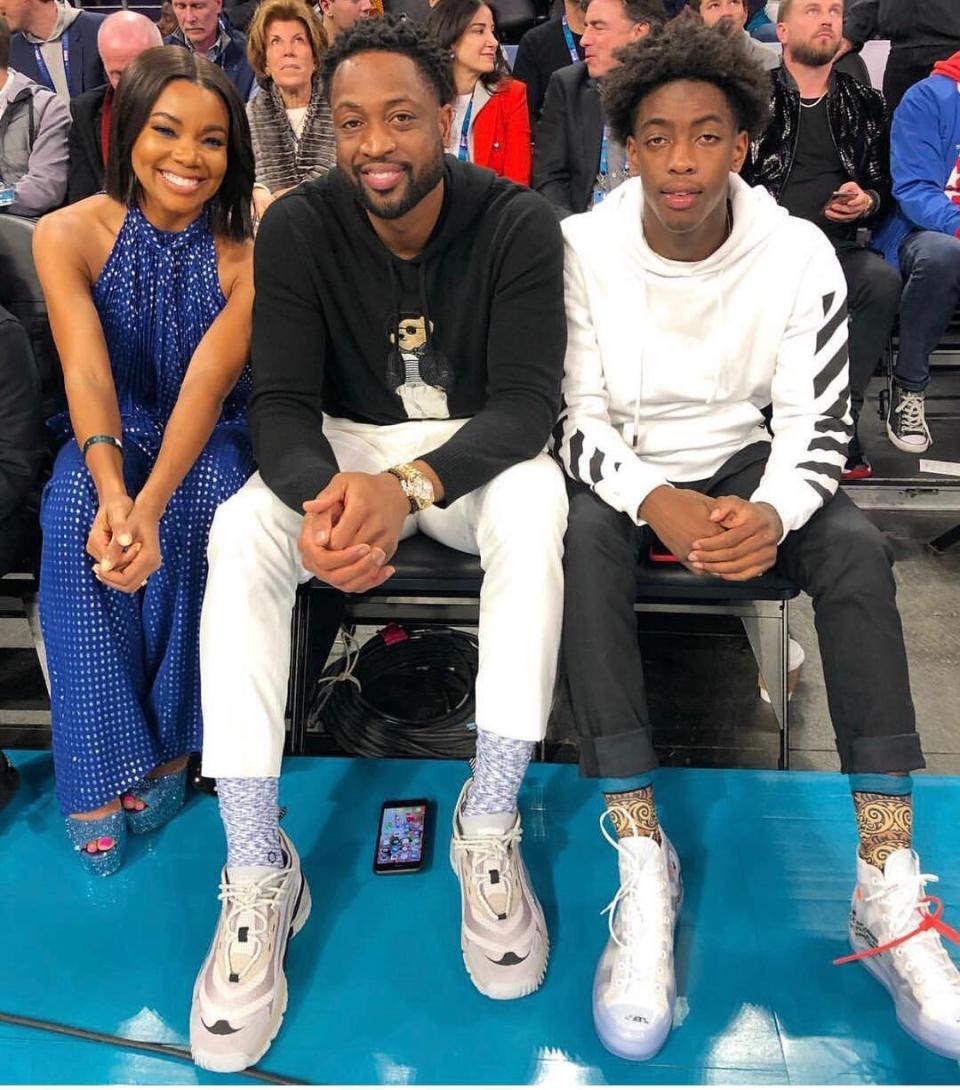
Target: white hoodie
x=669, y=363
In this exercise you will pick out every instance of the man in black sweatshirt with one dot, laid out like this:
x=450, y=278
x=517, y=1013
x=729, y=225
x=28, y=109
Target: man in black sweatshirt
x=408, y=347
x=921, y=32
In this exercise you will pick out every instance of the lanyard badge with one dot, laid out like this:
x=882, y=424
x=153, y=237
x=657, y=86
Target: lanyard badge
x=568, y=38
x=45, y=78
x=464, y=154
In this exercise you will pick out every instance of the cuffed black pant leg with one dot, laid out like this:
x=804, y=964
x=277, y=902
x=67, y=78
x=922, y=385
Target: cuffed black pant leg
x=845, y=564
x=600, y=651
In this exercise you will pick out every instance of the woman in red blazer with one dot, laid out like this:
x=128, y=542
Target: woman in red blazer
x=491, y=124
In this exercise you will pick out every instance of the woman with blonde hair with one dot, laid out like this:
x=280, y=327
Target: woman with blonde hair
x=290, y=119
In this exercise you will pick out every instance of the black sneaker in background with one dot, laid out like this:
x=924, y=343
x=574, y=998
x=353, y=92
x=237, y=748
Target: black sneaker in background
x=906, y=420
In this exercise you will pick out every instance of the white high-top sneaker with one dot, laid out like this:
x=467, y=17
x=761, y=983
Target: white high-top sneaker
x=917, y=971
x=634, y=990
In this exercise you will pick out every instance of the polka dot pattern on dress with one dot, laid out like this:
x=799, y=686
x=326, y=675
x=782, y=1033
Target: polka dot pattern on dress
x=125, y=669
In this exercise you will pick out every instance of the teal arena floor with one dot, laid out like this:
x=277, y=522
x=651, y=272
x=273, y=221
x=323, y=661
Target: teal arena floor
x=378, y=993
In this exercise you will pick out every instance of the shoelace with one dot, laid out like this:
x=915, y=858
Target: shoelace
x=255, y=898
x=630, y=967
x=915, y=900
x=490, y=849
x=911, y=412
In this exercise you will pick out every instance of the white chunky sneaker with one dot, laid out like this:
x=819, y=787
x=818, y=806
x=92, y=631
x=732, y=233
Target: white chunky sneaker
x=887, y=908
x=241, y=992
x=634, y=990
x=503, y=934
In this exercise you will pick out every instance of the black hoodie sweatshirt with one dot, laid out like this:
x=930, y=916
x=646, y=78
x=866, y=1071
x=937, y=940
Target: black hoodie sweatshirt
x=328, y=298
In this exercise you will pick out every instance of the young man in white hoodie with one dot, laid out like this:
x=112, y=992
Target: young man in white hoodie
x=671, y=360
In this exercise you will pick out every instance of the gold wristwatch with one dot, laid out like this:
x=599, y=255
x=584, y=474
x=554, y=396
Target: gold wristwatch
x=417, y=486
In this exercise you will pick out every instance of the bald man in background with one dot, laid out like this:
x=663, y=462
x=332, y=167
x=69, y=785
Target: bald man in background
x=122, y=36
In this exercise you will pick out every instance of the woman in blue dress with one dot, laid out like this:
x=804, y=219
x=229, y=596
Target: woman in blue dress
x=149, y=290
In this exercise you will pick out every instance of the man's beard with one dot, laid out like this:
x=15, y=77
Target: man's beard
x=814, y=56
x=420, y=183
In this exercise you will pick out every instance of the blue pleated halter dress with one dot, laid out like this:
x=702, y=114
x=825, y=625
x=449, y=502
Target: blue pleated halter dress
x=125, y=669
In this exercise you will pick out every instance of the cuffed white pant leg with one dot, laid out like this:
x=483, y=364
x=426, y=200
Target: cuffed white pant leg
x=245, y=631
x=516, y=524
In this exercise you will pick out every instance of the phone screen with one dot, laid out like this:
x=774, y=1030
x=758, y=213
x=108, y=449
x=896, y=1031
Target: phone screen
x=400, y=840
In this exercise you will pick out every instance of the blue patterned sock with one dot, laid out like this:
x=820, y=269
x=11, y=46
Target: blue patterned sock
x=248, y=807
x=498, y=770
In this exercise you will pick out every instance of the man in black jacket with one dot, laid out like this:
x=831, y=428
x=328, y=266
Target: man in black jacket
x=826, y=158
x=575, y=163
x=411, y=387
x=545, y=49
x=921, y=32
x=122, y=36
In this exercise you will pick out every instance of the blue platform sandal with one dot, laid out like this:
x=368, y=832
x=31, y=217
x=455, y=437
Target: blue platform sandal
x=110, y=835
x=163, y=797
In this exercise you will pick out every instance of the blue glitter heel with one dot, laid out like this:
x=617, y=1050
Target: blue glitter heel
x=164, y=797
x=82, y=832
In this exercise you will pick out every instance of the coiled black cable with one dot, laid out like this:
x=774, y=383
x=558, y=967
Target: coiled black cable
x=173, y=1051
x=407, y=692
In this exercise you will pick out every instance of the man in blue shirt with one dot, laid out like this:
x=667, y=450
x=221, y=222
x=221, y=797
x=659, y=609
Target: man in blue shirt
x=923, y=240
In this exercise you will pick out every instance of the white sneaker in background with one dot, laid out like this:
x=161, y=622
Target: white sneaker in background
x=503, y=934
x=240, y=994
x=634, y=989
x=918, y=972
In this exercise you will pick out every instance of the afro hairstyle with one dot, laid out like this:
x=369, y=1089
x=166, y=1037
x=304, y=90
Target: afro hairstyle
x=687, y=50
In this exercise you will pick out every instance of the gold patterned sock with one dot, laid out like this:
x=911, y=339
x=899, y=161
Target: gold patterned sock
x=634, y=813
x=884, y=823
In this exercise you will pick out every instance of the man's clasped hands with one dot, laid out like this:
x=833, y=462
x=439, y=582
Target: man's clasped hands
x=352, y=528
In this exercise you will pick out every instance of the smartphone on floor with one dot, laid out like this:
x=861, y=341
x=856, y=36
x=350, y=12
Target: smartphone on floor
x=402, y=833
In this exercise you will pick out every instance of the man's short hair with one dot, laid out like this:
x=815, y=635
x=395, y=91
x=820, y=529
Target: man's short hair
x=645, y=11
x=695, y=5
x=391, y=34
x=640, y=11
x=784, y=10
x=686, y=49
x=288, y=11
x=4, y=43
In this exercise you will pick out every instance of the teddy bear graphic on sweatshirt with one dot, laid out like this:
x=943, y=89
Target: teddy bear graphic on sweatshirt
x=417, y=372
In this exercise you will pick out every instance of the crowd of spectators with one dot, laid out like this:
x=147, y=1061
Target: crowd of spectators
x=882, y=185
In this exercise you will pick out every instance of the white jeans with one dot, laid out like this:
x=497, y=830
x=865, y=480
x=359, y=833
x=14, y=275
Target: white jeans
x=515, y=524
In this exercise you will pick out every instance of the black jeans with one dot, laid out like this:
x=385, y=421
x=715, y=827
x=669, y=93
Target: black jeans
x=873, y=299
x=839, y=558
x=905, y=67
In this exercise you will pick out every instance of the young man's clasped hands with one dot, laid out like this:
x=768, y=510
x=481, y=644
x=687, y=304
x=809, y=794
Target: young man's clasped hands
x=727, y=536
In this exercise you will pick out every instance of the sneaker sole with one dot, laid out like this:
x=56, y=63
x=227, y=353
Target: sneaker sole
x=510, y=993
x=908, y=448
x=626, y=1049
x=240, y=1061
x=909, y=1017
x=504, y=993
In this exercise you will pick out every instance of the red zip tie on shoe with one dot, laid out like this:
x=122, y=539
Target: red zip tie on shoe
x=931, y=922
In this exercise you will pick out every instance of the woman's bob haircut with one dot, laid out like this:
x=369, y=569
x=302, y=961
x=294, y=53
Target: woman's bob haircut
x=285, y=11
x=141, y=85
